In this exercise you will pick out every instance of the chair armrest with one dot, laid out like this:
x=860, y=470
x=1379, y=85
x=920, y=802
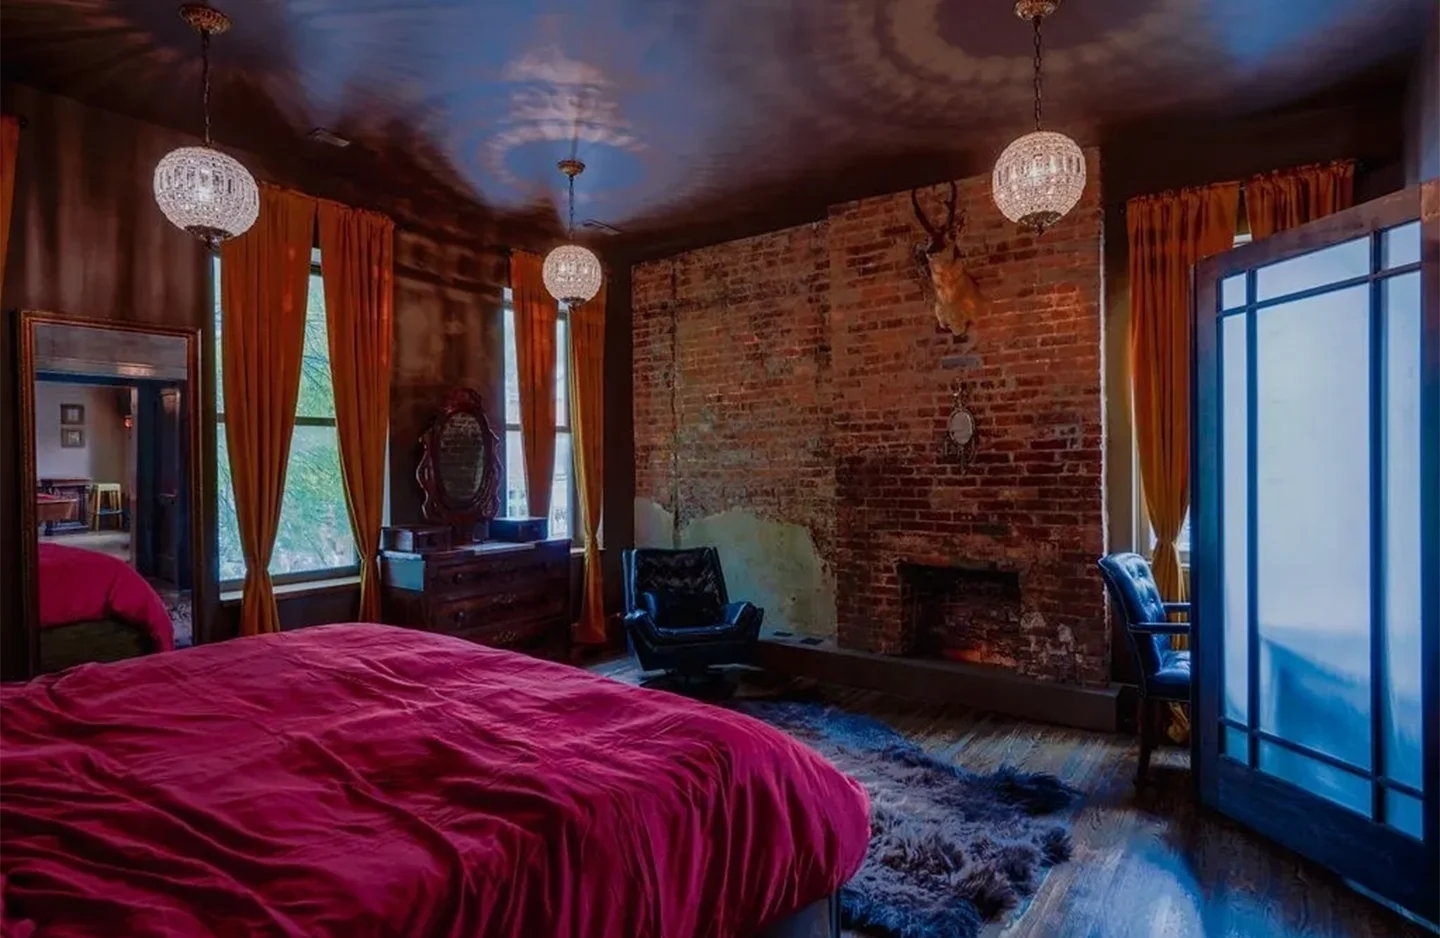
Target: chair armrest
x=744, y=614
x=1177, y=607
x=640, y=621
x=1161, y=628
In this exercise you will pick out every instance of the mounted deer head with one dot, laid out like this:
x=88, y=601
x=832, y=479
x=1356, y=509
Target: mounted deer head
x=956, y=294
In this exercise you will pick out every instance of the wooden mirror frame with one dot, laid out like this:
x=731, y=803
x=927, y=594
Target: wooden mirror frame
x=437, y=507
x=29, y=531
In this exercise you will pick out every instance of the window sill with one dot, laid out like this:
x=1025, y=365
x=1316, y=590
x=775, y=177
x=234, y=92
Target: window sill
x=303, y=588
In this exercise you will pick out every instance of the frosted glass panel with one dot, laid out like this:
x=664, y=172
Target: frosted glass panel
x=1313, y=522
x=1237, y=745
x=1405, y=814
x=1400, y=246
x=1339, y=786
x=1232, y=292
x=1234, y=499
x=1331, y=265
x=1401, y=719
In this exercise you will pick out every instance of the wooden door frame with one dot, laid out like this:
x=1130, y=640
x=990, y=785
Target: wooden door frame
x=1337, y=838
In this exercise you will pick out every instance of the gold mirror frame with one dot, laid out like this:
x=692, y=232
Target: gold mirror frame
x=29, y=529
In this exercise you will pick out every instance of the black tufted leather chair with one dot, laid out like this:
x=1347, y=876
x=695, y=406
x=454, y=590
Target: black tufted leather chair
x=678, y=617
x=1164, y=672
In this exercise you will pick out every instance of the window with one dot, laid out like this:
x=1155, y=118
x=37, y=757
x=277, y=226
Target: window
x=314, y=538
x=562, y=497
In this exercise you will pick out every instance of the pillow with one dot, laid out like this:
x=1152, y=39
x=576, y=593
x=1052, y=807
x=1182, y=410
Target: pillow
x=680, y=610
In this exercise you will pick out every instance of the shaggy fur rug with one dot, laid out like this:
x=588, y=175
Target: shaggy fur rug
x=949, y=849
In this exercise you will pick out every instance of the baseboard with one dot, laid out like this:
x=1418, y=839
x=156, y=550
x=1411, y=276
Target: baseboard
x=947, y=682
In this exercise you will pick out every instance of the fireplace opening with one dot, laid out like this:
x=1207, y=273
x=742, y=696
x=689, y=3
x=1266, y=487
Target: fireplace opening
x=969, y=614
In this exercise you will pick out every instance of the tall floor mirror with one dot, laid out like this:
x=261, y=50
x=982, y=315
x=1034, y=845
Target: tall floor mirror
x=111, y=480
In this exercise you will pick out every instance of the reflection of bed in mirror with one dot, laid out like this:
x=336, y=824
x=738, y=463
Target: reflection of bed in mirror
x=109, y=413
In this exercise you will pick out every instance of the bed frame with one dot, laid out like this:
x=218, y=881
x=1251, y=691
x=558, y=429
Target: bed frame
x=63, y=646
x=817, y=920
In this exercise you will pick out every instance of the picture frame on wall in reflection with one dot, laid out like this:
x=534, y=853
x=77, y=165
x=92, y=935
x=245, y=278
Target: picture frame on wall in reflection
x=72, y=438
x=72, y=415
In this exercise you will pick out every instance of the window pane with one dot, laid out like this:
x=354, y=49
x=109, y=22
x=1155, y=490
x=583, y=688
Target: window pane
x=232, y=558
x=1405, y=813
x=1232, y=292
x=512, y=370
x=560, y=490
x=1234, y=519
x=1312, y=362
x=1400, y=246
x=1402, y=678
x=219, y=365
x=1237, y=745
x=314, y=529
x=317, y=394
x=514, y=476
x=1330, y=265
x=562, y=374
x=1350, y=791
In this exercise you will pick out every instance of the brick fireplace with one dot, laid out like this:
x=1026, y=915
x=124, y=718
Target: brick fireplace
x=791, y=392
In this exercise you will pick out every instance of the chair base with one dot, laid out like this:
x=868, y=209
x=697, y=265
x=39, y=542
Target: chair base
x=702, y=684
x=1151, y=718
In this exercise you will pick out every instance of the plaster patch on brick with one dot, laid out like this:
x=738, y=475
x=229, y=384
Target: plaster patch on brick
x=654, y=526
x=772, y=564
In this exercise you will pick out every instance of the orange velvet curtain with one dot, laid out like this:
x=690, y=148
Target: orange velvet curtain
x=1169, y=233
x=1290, y=197
x=264, y=277
x=535, y=315
x=9, y=145
x=587, y=426
x=357, y=251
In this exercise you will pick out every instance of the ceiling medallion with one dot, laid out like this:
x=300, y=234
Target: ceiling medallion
x=200, y=189
x=1039, y=177
x=572, y=273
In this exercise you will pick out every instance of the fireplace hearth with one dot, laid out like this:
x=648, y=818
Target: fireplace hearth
x=970, y=614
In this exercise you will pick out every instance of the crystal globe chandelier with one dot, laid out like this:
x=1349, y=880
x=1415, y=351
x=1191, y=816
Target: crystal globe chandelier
x=572, y=273
x=1040, y=177
x=201, y=189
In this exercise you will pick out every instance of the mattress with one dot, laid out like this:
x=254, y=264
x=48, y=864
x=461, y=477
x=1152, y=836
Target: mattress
x=362, y=780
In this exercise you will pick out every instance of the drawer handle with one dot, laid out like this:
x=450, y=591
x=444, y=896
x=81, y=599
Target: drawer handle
x=458, y=578
x=460, y=616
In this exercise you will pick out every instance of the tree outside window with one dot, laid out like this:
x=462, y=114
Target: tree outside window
x=562, y=498
x=314, y=537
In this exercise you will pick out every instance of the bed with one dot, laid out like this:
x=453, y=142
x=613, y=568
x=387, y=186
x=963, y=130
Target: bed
x=95, y=607
x=365, y=780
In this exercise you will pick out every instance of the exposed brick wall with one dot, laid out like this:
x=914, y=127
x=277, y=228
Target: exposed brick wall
x=814, y=385
x=750, y=322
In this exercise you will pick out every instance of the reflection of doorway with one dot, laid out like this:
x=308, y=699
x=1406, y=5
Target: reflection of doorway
x=127, y=484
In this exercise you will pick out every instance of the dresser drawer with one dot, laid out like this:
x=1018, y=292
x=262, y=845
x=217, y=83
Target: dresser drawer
x=492, y=574
x=493, y=610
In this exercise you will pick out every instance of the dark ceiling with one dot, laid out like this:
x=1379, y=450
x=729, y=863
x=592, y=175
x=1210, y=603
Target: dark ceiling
x=686, y=109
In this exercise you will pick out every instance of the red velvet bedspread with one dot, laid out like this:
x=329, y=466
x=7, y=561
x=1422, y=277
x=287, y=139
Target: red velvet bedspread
x=78, y=585
x=361, y=780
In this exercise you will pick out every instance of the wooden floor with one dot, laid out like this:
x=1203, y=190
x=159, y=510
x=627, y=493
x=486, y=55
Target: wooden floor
x=1146, y=865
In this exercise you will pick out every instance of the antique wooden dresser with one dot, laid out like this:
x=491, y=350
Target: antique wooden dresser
x=502, y=594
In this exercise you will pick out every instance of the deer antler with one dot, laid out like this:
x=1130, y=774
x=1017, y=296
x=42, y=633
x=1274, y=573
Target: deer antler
x=941, y=233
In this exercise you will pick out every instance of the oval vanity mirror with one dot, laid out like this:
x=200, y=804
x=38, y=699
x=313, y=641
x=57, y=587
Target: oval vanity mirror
x=459, y=469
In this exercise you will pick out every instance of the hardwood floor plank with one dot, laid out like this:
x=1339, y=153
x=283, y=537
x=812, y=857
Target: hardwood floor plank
x=1146, y=864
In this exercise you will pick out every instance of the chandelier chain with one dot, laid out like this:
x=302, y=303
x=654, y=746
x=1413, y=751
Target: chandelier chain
x=570, y=231
x=1037, y=72
x=205, y=80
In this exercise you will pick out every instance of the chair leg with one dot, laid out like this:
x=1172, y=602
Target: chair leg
x=1145, y=722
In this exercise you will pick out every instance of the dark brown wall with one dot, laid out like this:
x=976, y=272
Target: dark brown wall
x=88, y=240
x=1422, y=110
